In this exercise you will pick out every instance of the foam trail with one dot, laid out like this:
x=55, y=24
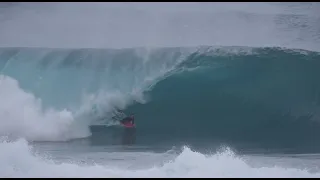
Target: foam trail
x=18, y=160
x=22, y=115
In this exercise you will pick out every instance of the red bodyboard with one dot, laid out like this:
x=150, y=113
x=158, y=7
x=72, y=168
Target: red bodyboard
x=127, y=125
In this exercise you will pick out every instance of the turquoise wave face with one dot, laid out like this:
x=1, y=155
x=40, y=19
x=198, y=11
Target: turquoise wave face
x=233, y=93
x=270, y=95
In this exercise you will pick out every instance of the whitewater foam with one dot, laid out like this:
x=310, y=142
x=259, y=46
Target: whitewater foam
x=18, y=159
x=22, y=115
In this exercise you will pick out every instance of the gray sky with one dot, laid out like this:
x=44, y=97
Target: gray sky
x=117, y=25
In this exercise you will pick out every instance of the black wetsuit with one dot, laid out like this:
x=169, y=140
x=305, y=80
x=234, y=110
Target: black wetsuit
x=128, y=119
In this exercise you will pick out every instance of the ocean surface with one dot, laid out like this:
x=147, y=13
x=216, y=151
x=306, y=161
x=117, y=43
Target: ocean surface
x=218, y=90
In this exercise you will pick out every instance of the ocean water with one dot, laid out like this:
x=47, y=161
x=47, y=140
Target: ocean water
x=218, y=90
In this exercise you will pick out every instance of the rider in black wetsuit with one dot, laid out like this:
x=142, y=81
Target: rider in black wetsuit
x=129, y=119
